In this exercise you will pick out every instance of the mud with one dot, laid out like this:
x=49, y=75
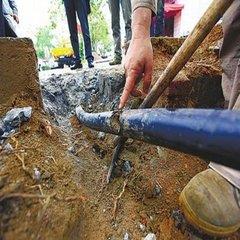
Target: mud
x=71, y=198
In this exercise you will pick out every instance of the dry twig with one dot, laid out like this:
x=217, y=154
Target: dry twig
x=24, y=195
x=40, y=190
x=23, y=165
x=54, y=160
x=44, y=209
x=118, y=198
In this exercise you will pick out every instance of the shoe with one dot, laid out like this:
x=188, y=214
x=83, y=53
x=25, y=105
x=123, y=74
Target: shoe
x=90, y=64
x=77, y=65
x=115, y=61
x=210, y=203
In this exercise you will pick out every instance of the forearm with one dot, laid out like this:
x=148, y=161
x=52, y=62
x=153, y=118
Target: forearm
x=150, y=4
x=141, y=23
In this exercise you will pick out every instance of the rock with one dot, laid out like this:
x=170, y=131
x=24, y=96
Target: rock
x=157, y=191
x=13, y=120
x=1, y=128
x=126, y=167
x=8, y=148
x=72, y=150
x=101, y=135
x=16, y=116
x=36, y=174
x=142, y=227
x=150, y=236
x=179, y=220
x=126, y=236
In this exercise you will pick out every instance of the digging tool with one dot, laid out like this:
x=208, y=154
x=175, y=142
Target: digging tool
x=190, y=45
x=211, y=134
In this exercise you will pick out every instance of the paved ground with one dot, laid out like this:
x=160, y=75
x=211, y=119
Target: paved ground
x=47, y=73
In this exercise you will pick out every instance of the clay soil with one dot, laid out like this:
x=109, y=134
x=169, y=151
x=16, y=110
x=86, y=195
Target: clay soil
x=71, y=200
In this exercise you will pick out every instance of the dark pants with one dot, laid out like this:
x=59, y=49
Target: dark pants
x=9, y=32
x=78, y=8
x=2, y=24
x=115, y=13
x=157, y=27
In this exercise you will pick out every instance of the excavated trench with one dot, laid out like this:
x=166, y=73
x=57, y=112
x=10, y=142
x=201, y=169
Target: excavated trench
x=97, y=90
x=70, y=199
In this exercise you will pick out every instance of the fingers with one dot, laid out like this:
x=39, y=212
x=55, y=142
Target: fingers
x=147, y=77
x=16, y=18
x=129, y=86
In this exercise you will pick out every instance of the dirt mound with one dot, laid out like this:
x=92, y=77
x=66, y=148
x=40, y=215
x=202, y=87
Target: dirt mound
x=198, y=85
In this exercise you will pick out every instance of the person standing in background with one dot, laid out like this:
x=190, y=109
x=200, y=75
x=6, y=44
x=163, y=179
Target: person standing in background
x=10, y=14
x=2, y=27
x=80, y=8
x=116, y=29
x=157, y=26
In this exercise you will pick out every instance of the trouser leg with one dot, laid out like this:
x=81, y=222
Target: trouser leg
x=127, y=16
x=230, y=58
x=235, y=93
x=152, y=28
x=230, y=51
x=2, y=23
x=9, y=32
x=115, y=17
x=81, y=7
x=159, y=26
x=72, y=25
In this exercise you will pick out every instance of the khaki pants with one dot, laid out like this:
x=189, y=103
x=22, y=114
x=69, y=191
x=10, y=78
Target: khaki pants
x=230, y=58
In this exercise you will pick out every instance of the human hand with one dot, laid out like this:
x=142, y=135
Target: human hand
x=15, y=17
x=139, y=58
x=138, y=63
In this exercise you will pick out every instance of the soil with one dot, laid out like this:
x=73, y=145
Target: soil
x=18, y=72
x=71, y=200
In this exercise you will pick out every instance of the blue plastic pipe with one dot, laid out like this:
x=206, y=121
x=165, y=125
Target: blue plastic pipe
x=212, y=134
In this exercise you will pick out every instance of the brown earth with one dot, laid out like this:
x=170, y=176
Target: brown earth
x=72, y=200
x=18, y=70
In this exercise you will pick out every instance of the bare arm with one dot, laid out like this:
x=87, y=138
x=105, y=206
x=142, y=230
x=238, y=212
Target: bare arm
x=139, y=58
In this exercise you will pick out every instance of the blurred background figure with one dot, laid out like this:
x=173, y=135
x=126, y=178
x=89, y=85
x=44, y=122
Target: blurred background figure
x=80, y=8
x=157, y=26
x=116, y=29
x=10, y=17
x=2, y=27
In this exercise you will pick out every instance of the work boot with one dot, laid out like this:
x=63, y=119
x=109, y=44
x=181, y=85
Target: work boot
x=212, y=204
x=77, y=65
x=115, y=61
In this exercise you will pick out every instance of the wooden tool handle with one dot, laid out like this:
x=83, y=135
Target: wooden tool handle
x=185, y=52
